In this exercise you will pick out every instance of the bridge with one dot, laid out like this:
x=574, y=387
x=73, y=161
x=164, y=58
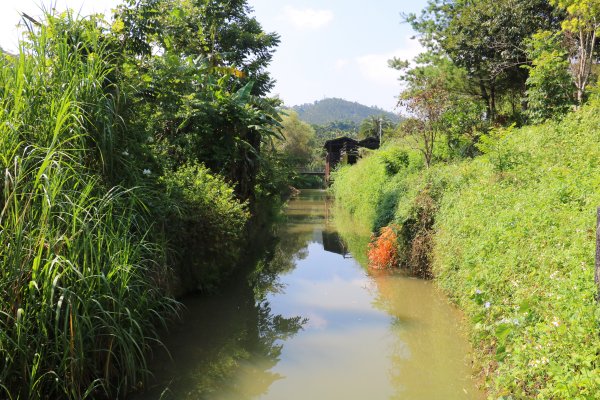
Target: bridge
x=317, y=173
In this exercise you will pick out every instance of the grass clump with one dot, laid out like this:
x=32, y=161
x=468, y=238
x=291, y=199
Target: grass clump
x=515, y=248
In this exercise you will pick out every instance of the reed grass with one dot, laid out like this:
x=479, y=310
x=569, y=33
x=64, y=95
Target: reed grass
x=80, y=287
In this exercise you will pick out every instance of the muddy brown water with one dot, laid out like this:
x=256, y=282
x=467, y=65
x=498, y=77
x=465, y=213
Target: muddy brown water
x=315, y=324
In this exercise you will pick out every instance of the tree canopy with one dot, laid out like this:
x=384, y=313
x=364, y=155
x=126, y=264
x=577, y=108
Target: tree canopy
x=485, y=37
x=199, y=71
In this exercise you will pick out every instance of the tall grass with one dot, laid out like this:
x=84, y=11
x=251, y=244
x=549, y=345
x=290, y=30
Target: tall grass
x=80, y=291
x=514, y=246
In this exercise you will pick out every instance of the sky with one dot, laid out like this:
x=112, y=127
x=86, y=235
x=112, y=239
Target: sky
x=329, y=48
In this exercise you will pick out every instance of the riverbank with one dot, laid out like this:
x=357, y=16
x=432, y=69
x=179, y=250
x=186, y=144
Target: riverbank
x=509, y=236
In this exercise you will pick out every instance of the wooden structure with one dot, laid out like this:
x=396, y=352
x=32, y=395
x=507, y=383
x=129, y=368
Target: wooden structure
x=345, y=149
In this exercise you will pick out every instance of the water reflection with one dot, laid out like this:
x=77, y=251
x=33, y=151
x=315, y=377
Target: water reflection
x=428, y=354
x=226, y=345
x=311, y=323
x=333, y=243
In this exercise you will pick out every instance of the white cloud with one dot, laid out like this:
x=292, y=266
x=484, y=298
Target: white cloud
x=307, y=18
x=374, y=67
x=341, y=63
x=317, y=321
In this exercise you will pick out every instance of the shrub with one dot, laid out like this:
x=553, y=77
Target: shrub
x=383, y=249
x=205, y=225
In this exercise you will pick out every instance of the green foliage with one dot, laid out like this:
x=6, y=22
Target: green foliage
x=549, y=85
x=407, y=196
x=464, y=126
x=582, y=22
x=103, y=147
x=394, y=159
x=440, y=100
x=222, y=33
x=427, y=101
x=370, y=190
x=331, y=130
x=198, y=98
x=485, y=38
x=375, y=125
x=358, y=190
x=500, y=157
x=515, y=248
x=298, y=140
x=195, y=99
x=335, y=129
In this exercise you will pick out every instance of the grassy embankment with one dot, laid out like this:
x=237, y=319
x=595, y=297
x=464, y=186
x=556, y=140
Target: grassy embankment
x=510, y=237
x=85, y=273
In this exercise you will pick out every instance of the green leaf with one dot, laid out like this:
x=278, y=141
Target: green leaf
x=243, y=94
x=525, y=306
x=178, y=13
x=502, y=331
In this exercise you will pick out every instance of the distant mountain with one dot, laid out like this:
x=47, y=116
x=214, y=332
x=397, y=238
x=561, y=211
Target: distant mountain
x=326, y=111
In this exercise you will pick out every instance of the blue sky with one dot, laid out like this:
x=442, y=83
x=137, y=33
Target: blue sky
x=338, y=48
x=329, y=48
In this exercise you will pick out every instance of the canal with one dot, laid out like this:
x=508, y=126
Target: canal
x=312, y=323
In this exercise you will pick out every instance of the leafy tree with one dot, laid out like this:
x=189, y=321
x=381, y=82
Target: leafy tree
x=298, y=140
x=197, y=69
x=426, y=100
x=223, y=33
x=374, y=125
x=485, y=38
x=581, y=24
x=462, y=118
x=550, y=85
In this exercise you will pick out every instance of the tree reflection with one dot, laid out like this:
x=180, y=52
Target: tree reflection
x=227, y=344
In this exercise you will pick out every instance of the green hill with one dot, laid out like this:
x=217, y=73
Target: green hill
x=323, y=112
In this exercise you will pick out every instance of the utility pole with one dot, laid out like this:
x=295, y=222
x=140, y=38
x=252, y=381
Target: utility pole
x=380, y=123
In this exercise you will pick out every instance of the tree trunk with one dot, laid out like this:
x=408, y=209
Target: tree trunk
x=493, y=101
x=486, y=98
